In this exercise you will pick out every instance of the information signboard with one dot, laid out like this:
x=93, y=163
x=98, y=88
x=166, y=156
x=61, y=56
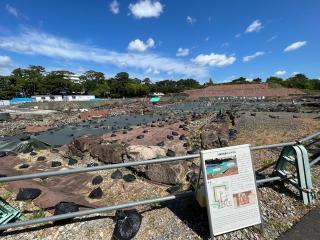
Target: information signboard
x=231, y=191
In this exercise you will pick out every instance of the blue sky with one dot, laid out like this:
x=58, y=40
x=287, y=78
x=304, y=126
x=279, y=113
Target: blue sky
x=161, y=39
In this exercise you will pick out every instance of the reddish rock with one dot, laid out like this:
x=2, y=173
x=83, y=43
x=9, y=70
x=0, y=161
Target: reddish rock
x=94, y=114
x=86, y=142
x=108, y=153
x=35, y=129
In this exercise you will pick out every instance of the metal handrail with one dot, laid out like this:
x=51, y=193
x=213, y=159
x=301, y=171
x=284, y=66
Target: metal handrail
x=129, y=164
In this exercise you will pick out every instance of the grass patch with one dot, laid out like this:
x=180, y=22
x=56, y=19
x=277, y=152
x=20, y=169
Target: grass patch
x=38, y=214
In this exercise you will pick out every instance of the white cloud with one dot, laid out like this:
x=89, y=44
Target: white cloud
x=182, y=52
x=225, y=44
x=214, y=60
x=5, y=61
x=280, y=72
x=255, y=26
x=139, y=46
x=33, y=42
x=146, y=9
x=114, y=7
x=272, y=38
x=207, y=39
x=12, y=10
x=295, y=46
x=238, y=35
x=153, y=71
x=5, y=65
x=191, y=20
x=253, y=56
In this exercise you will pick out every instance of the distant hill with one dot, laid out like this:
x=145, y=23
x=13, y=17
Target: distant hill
x=243, y=90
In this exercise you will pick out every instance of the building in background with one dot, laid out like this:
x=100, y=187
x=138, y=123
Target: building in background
x=78, y=98
x=47, y=98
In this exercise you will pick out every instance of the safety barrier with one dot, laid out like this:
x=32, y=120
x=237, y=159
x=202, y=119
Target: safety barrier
x=131, y=164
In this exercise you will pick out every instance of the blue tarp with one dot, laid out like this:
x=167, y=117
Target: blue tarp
x=20, y=100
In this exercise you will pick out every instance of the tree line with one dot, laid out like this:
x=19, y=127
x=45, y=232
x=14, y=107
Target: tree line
x=35, y=80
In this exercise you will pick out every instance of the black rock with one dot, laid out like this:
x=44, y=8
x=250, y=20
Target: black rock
x=183, y=137
x=2, y=175
x=140, y=136
x=253, y=114
x=25, y=138
x=232, y=134
x=2, y=154
x=170, y=137
x=186, y=144
x=55, y=164
x=124, y=132
x=113, y=135
x=41, y=158
x=33, y=154
x=160, y=144
x=27, y=150
x=72, y=161
x=25, y=165
x=117, y=175
x=65, y=207
x=54, y=150
x=194, y=166
x=174, y=189
x=96, y=193
x=171, y=153
x=11, y=153
x=97, y=180
x=193, y=151
x=129, y=178
x=145, y=131
x=92, y=164
x=28, y=194
x=128, y=223
x=174, y=133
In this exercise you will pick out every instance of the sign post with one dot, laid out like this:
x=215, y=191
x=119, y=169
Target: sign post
x=229, y=180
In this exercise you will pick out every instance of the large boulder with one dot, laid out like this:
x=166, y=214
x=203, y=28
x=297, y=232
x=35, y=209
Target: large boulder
x=215, y=135
x=86, y=142
x=168, y=173
x=140, y=153
x=108, y=152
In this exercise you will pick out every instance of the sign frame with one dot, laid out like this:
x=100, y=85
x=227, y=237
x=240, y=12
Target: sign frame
x=203, y=169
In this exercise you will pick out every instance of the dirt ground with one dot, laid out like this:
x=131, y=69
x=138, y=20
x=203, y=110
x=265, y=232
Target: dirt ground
x=183, y=219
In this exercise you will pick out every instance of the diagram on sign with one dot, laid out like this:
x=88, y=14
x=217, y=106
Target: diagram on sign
x=221, y=196
x=220, y=167
x=243, y=199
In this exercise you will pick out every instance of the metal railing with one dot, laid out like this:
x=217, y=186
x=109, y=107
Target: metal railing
x=131, y=164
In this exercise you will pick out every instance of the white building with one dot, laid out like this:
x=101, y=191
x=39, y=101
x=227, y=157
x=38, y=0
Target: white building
x=78, y=97
x=157, y=94
x=75, y=78
x=47, y=98
x=4, y=102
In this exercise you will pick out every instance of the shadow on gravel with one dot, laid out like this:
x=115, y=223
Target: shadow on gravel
x=281, y=188
x=195, y=217
x=50, y=225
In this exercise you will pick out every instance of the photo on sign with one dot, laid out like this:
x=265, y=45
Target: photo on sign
x=243, y=199
x=221, y=167
x=221, y=196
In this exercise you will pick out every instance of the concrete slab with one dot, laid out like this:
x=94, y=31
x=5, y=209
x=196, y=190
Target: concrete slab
x=307, y=228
